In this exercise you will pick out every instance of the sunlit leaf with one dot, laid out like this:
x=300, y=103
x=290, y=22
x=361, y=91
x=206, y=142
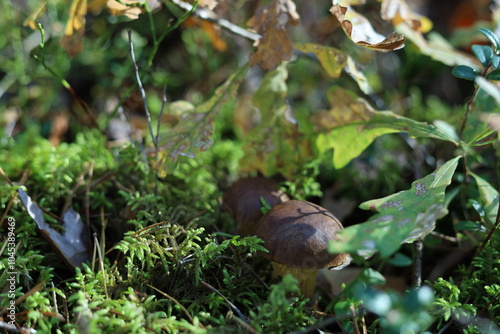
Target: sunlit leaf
x=488, y=198
x=332, y=60
x=270, y=22
x=360, y=31
x=351, y=125
x=75, y=28
x=72, y=244
x=402, y=217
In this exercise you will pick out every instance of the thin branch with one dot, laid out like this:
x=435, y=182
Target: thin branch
x=235, y=309
x=212, y=17
x=173, y=300
x=141, y=88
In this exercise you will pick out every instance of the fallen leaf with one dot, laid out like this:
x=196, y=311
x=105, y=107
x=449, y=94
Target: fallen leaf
x=402, y=217
x=398, y=11
x=361, y=32
x=270, y=22
x=75, y=28
x=131, y=8
x=73, y=243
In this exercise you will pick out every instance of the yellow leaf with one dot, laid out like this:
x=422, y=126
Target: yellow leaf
x=75, y=27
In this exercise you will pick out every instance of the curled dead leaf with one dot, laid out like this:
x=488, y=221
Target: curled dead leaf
x=360, y=31
x=270, y=22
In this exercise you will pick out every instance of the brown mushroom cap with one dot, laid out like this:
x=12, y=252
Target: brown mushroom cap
x=297, y=234
x=242, y=201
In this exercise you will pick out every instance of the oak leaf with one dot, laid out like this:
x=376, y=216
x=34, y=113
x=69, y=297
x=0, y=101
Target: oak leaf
x=360, y=31
x=270, y=22
x=75, y=27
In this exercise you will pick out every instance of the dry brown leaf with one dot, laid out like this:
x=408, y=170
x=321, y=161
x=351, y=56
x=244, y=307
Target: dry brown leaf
x=270, y=22
x=398, y=11
x=75, y=27
x=362, y=33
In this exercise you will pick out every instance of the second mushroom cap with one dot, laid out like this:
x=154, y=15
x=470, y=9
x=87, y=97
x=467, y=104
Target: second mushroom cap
x=297, y=234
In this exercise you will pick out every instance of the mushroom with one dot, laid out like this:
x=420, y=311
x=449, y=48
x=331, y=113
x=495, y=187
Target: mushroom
x=296, y=234
x=242, y=201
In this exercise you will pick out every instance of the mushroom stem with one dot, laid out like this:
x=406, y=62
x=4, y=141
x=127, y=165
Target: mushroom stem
x=306, y=278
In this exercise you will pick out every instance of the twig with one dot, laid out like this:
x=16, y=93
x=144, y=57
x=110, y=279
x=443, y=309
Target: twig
x=162, y=109
x=235, y=309
x=210, y=16
x=175, y=301
x=101, y=265
x=141, y=88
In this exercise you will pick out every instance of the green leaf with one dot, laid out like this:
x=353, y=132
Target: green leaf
x=332, y=60
x=494, y=75
x=400, y=260
x=491, y=36
x=495, y=61
x=483, y=53
x=351, y=125
x=402, y=217
x=372, y=277
x=464, y=72
x=488, y=198
x=467, y=225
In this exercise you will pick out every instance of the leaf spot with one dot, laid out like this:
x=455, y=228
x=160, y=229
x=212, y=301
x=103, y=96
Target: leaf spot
x=420, y=189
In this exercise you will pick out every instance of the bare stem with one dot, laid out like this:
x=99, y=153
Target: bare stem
x=141, y=89
x=212, y=17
